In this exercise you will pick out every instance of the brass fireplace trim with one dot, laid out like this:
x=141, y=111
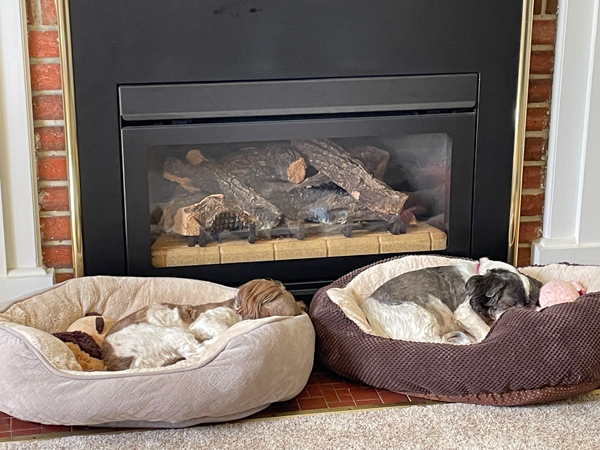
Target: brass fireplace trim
x=68, y=88
x=520, y=124
x=66, y=61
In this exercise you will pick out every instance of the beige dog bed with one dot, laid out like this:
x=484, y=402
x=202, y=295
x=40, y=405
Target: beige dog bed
x=255, y=363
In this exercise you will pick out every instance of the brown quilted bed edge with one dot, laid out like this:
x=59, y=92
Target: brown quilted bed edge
x=529, y=356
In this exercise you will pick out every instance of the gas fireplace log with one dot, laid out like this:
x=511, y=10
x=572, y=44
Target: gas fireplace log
x=374, y=159
x=427, y=202
x=317, y=181
x=267, y=189
x=212, y=215
x=179, y=201
x=329, y=204
x=340, y=209
x=350, y=174
x=293, y=202
x=200, y=170
x=276, y=162
x=174, y=170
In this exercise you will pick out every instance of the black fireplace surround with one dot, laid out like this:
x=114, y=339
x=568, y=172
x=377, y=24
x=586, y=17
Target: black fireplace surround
x=199, y=71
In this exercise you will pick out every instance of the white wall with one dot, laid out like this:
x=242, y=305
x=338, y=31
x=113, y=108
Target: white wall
x=21, y=270
x=571, y=228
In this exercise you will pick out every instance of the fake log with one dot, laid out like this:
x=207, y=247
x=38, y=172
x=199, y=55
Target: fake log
x=329, y=204
x=427, y=203
x=214, y=214
x=276, y=162
x=201, y=172
x=348, y=173
x=179, y=201
x=294, y=202
x=374, y=159
x=339, y=209
x=318, y=180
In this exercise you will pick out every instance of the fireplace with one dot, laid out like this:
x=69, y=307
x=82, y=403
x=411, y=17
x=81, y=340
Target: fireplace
x=292, y=140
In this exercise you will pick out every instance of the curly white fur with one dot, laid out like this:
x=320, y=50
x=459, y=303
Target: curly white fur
x=165, y=338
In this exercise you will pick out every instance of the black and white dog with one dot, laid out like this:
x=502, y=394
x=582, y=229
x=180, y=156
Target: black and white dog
x=451, y=304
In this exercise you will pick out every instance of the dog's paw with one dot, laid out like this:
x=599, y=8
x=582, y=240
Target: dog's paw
x=456, y=338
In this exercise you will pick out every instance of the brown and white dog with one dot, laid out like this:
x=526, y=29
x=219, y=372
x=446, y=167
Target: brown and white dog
x=162, y=334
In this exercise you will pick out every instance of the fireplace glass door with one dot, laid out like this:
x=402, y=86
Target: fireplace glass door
x=290, y=189
x=302, y=198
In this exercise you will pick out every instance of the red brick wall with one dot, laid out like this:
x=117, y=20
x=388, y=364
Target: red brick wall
x=538, y=120
x=50, y=139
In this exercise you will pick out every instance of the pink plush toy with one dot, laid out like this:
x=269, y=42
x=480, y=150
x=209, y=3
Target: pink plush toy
x=555, y=292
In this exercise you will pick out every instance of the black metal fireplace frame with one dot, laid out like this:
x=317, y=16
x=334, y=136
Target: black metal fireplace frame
x=137, y=141
x=117, y=43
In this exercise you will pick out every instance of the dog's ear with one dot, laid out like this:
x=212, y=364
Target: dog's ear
x=484, y=291
x=495, y=287
x=253, y=295
x=477, y=289
x=302, y=306
x=249, y=299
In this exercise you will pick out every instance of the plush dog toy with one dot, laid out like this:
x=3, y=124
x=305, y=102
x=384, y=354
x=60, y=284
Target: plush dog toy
x=555, y=292
x=84, y=337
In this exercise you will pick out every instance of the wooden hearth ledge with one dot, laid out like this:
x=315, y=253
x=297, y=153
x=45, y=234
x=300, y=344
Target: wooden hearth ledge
x=172, y=250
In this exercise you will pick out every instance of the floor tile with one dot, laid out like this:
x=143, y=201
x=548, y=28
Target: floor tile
x=5, y=425
x=345, y=397
x=303, y=394
x=55, y=429
x=364, y=394
x=330, y=395
x=342, y=391
x=17, y=424
x=314, y=391
x=312, y=403
x=388, y=397
x=29, y=432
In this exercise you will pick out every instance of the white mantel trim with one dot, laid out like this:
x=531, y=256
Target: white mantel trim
x=21, y=269
x=571, y=228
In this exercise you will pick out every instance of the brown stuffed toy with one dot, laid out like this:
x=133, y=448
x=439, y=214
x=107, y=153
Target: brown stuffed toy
x=84, y=338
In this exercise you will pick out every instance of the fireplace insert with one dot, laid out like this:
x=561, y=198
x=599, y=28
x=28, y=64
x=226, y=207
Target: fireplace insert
x=271, y=172
x=293, y=140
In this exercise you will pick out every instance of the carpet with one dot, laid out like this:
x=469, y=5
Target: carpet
x=574, y=424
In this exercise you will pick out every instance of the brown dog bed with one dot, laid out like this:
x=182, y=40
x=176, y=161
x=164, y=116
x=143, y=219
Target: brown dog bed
x=528, y=356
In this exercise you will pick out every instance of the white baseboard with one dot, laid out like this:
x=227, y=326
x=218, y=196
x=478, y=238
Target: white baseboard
x=548, y=251
x=13, y=287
